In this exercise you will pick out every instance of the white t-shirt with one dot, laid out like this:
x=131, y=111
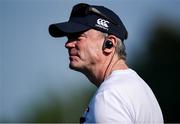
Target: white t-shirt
x=123, y=97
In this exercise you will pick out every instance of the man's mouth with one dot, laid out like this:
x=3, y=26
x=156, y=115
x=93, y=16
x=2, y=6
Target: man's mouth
x=73, y=52
x=73, y=56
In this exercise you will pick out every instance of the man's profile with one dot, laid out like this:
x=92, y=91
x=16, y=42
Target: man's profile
x=95, y=44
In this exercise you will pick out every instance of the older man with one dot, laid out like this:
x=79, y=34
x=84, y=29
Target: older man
x=96, y=48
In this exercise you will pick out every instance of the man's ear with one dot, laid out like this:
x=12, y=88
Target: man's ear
x=109, y=44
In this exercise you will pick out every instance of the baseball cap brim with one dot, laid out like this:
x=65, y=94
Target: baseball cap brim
x=65, y=28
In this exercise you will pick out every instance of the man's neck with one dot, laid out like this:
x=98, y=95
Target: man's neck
x=117, y=65
x=101, y=71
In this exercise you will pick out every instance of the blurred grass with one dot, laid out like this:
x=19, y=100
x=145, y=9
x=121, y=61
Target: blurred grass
x=55, y=109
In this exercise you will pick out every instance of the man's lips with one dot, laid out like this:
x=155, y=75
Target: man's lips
x=73, y=57
x=73, y=54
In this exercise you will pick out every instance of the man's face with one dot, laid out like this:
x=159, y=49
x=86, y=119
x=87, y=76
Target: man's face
x=85, y=49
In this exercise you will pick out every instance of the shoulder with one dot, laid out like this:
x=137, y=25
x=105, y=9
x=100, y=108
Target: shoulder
x=109, y=101
x=126, y=87
x=121, y=95
x=126, y=81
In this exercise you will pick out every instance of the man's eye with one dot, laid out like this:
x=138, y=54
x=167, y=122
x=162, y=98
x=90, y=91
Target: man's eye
x=74, y=39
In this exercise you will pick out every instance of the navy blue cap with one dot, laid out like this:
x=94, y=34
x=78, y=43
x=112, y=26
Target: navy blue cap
x=84, y=17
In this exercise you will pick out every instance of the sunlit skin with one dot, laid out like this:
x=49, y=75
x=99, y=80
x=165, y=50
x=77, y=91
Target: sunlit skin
x=87, y=55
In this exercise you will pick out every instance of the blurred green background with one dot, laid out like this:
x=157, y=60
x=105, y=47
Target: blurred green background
x=36, y=83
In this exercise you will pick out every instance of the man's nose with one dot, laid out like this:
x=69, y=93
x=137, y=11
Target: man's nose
x=70, y=44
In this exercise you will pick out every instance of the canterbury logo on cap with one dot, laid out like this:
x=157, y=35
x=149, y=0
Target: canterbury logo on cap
x=101, y=23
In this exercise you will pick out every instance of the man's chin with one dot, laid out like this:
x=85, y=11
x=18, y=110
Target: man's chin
x=73, y=67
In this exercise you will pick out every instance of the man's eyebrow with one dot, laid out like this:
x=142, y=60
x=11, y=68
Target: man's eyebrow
x=76, y=35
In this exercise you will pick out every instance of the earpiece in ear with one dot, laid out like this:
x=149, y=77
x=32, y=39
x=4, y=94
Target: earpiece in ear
x=108, y=44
